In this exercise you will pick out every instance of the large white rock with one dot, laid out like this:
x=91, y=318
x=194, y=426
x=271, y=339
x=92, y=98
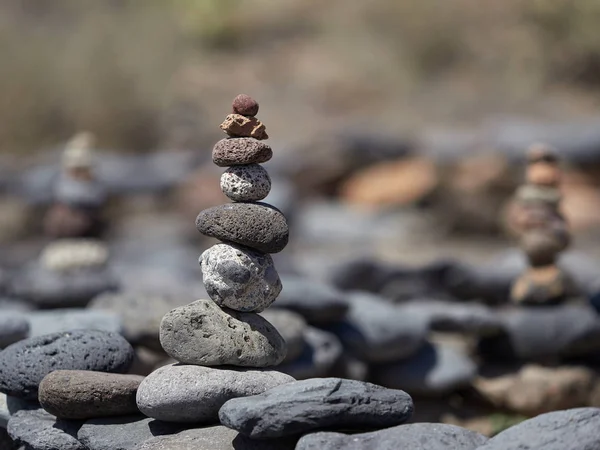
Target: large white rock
x=240, y=278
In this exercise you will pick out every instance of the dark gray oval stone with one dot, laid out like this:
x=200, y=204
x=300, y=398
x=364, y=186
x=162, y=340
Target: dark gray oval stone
x=572, y=429
x=240, y=151
x=418, y=436
x=23, y=365
x=318, y=403
x=256, y=225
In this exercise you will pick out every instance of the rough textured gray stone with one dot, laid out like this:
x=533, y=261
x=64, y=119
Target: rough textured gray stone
x=248, y=183
x=377, y=331
x=417, y=436
x=140, y=312
x=470, y=318
x=14, y=326
x=239, y=151
x=539, y=333
x=188, y=393
x=571, y=429
x=84, y=394
x=23, y=365
x=321, y=351
x=201, y=333
x=291, y=326
x=122, y=433
x=239, y=278
x=433, y=370
x=58, y=320
x=318, y=302
x=214, y=438
x=319, y=403
x=48, y=289
x=40, y=430
x=256, y=225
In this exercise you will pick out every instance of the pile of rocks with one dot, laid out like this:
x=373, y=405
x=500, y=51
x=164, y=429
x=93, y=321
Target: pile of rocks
x=73, y=267
x=542, y=232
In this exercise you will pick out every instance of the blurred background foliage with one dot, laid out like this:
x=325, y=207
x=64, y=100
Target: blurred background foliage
x=134, y=71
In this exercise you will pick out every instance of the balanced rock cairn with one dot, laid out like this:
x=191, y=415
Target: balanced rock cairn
x=78, y=196
x=240, y=279
x=542, y=231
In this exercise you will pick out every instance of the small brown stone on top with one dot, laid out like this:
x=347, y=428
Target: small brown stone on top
x=236, y=125
x=245, y=105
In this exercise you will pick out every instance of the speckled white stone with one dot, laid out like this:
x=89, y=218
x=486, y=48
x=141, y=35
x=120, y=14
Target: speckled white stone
x=247, y=183
x=240, y=278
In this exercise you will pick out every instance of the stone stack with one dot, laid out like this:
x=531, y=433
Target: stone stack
x=542, y=232
x=240, y=279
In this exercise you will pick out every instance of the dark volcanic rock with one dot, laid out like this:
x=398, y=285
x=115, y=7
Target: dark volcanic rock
x=571, y=429
x=255, y=225
x=49, y=289
x=318, y=403
x=83, y=394
x=23, y=365
x=122, y=433
x=318, y=302
x=377, y=331
x=40, y=430
x=241, y=151
x=434, y=370
x=539, y=333
x=417, y=436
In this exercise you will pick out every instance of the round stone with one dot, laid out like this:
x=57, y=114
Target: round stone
x=204, y=334
x=240, y=151
x=247, y=183
x=245, y=105
x=256, y=225
x=194, y=394
x=23, y=365
x=239, y=278
x=84, y=394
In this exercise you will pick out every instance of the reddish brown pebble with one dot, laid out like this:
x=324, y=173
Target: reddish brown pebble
x=236, y=125
x=245, y=105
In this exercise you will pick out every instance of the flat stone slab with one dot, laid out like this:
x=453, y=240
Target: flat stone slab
x=84, y=394
x=122, y=433
x=190, y=393
x=571, y=429
x=39, y=430
x=204, y=334
x=319, y=403
x=23, y=365
x=418, y=436
x=256, y=225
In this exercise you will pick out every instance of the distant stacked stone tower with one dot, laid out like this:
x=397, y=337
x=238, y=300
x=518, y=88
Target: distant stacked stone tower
x=240, y=279
x=542, y=232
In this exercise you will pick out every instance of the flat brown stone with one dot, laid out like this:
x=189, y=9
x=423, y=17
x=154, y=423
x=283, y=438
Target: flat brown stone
x=236, y=125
